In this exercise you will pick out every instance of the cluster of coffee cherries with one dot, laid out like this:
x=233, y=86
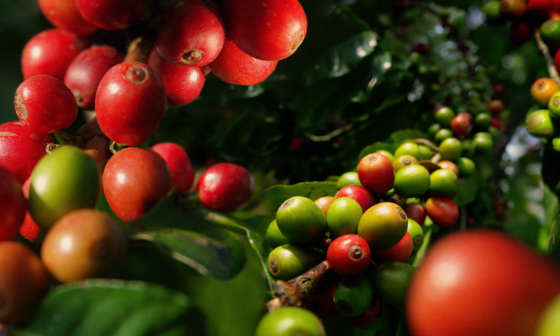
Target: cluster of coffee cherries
x=175, y=45
x=368, y=230
x=543, y=117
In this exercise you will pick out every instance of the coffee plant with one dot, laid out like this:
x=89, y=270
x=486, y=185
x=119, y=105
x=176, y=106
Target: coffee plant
x=279, y=167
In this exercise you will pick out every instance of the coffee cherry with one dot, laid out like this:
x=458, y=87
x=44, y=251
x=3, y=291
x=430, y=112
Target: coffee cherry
x=134, y=181
x=496, y=107
x=443, y=134
x=450, y=149
x=442, y=210
x=358, y=194
x=12, y=207
x=268, y=30
x=416, y=212
x=234, y=66
x=22, y=148
x=549, y=324
x=390, y=281
x=446, y=164
x=543, y=89
x=301, y=221
x=425, y=152
x=225, y=186
x=444, y=116
x=387, y=154
x=401, y=251
x=348, y=255
x=182, y=84
x=289, y=261
x=348, y=178
x=324, y=203
x=65, y=180
x=520, y=32
x=274, y=236
x=460, y=125
x=130, y=103
x=23, y=283
x=192, y=35
x=64, y=14
x=412, y=181
x=110, y=14
x=433, y=129
x=321, y=301
x=554, y=106
x=84, y=244
x=416, y=233
x=343, y=217
x=550, y=33
x=50, y=53
x=383, y=225
x=539, y=123
x=443, y=182
x=45, y=104
x=290, y=321
x=409, y=148
x=86, y=71
x=376, y=173
x=482, y=121
x=483, y=142
x=512, y=9
x=403, y=161
x=371, y=315
x=353, y=295
x=179, y=165
x=466, y=167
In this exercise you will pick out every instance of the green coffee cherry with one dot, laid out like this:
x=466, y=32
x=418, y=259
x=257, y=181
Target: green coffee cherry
x=426, y=152
x=554, y=106
x=383, y=225
x=289, y=261
x=417, y=234
x=348, y=178
x=442, y=134
x=343, y=217
x=450, y=149
x=482, y=120
x=483, y=142
x=412, y=181
x=468, y=147
x=274, y=237
x=556, y=144
x=301, y=221
x=492, y=11
x=290, y=321
x=390, y=281
x=549, y=324
x=403, y=161
x=466, y=167
x=550, y=33
x=443, y=182
x=409, y=148
x=444, y=116
x=539, y=123
x=433, y=129
x=353, y=295
x=387, y=154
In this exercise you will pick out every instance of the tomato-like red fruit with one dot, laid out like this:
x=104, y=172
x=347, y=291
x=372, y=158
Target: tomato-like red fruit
x=23, y=283
x=321, y=302
x=192, y=35
x=265, y=29
x=442, y=210
x=134, y=181
x=371, y=315
x=358, y=194
x=538, y=9
x=461, y=124
x=179, y=164
x=12, y=207
x=64, y=14
x=233, y=66
x=416, y=212
x=21, y=148
x=401, y=251
x=29, y=229
x=480, y=282
x=110, y=14
x=50, y=53
x=512, y=9
x=543, y=89
x=225, y=186
x=130, y=103
x=86, y=70
x=376, y=173
x=348, y=255
x=45, y=104
x=496, y=106
x=182, y=84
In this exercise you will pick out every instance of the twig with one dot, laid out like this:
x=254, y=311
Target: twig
x=543, y=48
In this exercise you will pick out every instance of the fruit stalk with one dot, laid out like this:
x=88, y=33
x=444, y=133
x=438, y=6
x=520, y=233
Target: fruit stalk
x=543, y=48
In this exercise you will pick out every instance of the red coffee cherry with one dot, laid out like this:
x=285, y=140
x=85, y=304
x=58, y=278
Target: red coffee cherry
x=130, y=103
x=225, y=186
x=86, y=70
x=192, y=35
x=401, y=251
x=358, y=194
x=179, y=164
x=50, y=53
x=268, y=30
x=64, y=14
x=460, y=124
x=233, y=66
x=182, y=84
x=45, y=104
x=443, y=211
x=22, y=148
x=134, y=181
x=348, y=255
x=321, y=302
x=23, y=283
x=110, y=14
x=29, y=229
x=12, y=206
x=416, y=212
x=376, y=173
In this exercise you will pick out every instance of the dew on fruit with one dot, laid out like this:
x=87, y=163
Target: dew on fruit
x=192, y=56
x=21, y=109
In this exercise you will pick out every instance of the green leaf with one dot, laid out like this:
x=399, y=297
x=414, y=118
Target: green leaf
x=111, y=308
x=222, y=92
x=378, y=146
x=405, y=134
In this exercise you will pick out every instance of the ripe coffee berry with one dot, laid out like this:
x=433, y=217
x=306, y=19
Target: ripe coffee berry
x=443, y=211
x=64, y=14
x=376, y=173
x=110, y=14
x=130, y=103
x=225, y=186
x=12, y=206
x=179, y=164
x=401, y=251
x=358, y=194
x=45, y=104
x=348, y=255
